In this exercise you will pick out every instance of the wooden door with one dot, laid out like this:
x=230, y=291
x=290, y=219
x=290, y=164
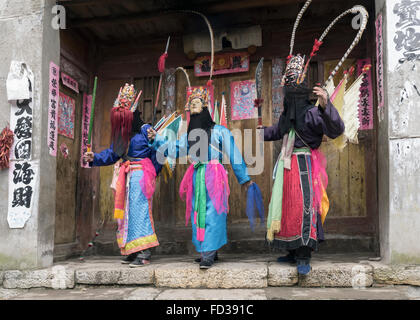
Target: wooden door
x=352, y=189
x=67, y=172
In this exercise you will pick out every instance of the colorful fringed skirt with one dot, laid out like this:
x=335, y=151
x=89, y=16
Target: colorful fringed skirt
x=136, y=230
x=301, y=204
x=206, y=191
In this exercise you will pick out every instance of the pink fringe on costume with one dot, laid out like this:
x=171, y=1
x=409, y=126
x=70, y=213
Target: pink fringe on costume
x=319, y=176
x=217, y=186
x=186, y=190
x=148, y=182
x=200, y=234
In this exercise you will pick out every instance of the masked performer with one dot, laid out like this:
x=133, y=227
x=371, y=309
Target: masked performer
x=299, y=203
x=135, y=184
x=205, y=184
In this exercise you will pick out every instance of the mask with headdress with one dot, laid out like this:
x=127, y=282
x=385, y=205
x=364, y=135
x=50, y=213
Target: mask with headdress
x=296, y=67
x=295, y=82
x=203, y=119
x=124, y=116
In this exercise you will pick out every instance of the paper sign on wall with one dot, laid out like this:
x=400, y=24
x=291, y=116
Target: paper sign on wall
x=53, y=109
x=22, y=182
x=21, y=113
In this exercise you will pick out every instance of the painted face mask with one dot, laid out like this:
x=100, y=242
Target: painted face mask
x=294, y=70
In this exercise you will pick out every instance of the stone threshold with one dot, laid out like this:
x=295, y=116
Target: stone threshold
x=231, y=272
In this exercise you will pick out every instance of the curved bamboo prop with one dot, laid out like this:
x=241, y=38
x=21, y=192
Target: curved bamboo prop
x=299, y=17
x=186, y=74
x=211, y=37
x=365, y=15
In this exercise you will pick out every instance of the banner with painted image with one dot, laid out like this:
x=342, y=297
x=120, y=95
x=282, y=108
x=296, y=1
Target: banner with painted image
x=242, y=96
x=66, y=108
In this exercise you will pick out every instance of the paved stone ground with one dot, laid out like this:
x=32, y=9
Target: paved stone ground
x=270, y=293
x=237, y=277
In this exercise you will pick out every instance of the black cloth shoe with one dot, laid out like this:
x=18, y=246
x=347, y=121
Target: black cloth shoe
x=205, y=264
x=216, y=258
x=286, y=259
x=130, y=258
x=138, y=262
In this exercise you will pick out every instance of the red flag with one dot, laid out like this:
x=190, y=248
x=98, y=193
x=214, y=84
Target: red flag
x=223, y=121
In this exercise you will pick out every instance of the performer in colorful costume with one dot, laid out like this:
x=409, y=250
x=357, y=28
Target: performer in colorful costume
x=135, y=183
x=205, y=185
x=299, y=203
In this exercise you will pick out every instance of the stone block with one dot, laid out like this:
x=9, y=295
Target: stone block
x=282, y=275
x=396, y=274
x=57, y=277
x=325, y=274
x=97, y=277
x=221, y=275
x=102, y=275
x=213, y=294
x=143, y=275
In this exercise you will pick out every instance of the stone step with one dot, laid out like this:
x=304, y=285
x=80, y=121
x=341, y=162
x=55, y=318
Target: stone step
x=232, y=272
x=333, y=244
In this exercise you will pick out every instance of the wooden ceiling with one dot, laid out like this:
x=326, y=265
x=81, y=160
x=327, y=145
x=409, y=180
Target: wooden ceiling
x=110, y=22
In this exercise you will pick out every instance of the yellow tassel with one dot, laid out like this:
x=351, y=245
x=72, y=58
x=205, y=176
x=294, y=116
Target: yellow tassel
x=274, y=228
x=325, y=205
x=118, y=214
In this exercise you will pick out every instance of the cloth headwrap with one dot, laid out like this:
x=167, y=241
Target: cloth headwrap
x=296, y=104
x=203, y=121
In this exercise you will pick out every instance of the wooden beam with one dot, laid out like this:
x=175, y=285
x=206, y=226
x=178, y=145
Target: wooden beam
x=214, y=7
x=83, y=3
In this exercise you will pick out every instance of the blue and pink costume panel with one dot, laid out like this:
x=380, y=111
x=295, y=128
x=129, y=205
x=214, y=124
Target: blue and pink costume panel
x=209, y=232
x=134, y=191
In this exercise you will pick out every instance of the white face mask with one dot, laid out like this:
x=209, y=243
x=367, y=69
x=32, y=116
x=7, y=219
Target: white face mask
x=196, y=106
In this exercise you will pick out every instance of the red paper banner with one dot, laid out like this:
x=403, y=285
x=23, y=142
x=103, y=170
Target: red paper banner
x=70, y=82
x=53, y=109
x=366, y=98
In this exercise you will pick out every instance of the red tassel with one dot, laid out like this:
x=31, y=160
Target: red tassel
x=209, y=83
x=315, y=48
x=258, y=103
x=288, y=58
x=161, y=62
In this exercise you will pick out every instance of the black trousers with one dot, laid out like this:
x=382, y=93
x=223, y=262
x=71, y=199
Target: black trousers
x=303, y=253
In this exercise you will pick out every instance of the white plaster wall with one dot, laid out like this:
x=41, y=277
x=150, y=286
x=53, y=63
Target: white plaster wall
x=402, y=162
x=26, y=35
x=405, y=200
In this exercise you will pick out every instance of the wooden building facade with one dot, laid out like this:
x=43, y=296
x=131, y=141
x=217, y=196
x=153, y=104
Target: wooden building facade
x=121, y=41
